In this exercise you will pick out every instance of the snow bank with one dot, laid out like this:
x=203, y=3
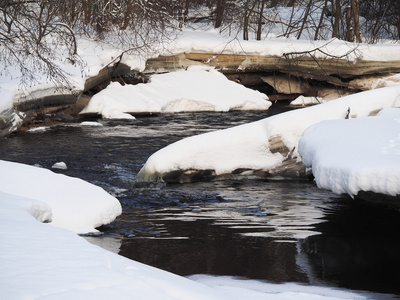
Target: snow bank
x=248, y=147
x=39, y=261
x=75, y=204
x=303, y=101
x=212, y=41
x=253, y=289
x=183, y=91
x=348, y=156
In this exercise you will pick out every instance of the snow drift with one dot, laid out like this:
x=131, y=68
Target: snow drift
x=349, y=156
x=41, y=261
x=182, y=91
x=72, y=203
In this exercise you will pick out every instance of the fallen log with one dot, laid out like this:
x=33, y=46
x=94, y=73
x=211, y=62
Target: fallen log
x=297, y=70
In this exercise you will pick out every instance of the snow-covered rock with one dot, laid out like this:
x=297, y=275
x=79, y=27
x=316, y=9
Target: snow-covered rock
x=268, y=146
x=349, y=156
x=182, y=91
x=60, y=165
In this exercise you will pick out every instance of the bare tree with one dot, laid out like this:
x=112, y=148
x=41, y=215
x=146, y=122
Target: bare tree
x=381, y=19
x=33, y=40
x=36, y=34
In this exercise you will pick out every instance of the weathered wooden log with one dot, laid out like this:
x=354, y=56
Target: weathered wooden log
x=305, y=65
x=331, y=70
x=287, y=85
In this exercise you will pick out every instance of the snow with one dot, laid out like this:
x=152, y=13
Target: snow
x=184, y=91
x=41, y=212
x=348, y=156
x=91, y=124
x=246, y=146
x=44, y=262
x=253, y=289
x=303, y=101
x=75, y=204
x=60, y=165
x=40, y=261
x=97, y=55
x=211, y=41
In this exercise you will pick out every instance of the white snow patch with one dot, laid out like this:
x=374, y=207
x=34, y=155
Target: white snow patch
x=348, y=156
x=182, y=91
x=254, y=289
x=303, y=101
x=60, y=165
x=75, y=204
x=38, y=129
x=91, y=124
x=39, y=261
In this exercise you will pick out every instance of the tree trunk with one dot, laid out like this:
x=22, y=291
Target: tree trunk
x=304, y=19
x=219, y=13
x=291, y=3
x=350, y=24
x=246, y=21
x=398, y=28
x=186, y=12
x=355, y=5
x=337, y=16
x=321, y=19
x=259, y=28
x=248, y=11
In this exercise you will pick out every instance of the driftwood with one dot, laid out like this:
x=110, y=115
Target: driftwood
x=332, y=70
x=302, y=65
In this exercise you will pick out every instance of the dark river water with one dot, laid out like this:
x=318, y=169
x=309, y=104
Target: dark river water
x=274, y=230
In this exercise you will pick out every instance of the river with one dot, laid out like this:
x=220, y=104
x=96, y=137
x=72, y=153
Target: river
x=274, y=230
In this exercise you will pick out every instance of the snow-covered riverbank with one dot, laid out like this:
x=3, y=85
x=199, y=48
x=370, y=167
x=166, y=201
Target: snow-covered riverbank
x=250, y=147
x=50, y=261
x=47, y=261
x=19, y=104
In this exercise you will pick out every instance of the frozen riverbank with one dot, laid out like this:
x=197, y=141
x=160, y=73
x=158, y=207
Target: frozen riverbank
x=268, y=147
x=240, y=60
x=42, y=261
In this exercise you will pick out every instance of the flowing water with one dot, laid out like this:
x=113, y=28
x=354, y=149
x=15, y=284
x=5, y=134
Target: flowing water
x=274, y=230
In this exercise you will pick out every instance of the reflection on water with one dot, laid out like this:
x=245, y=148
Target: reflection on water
x=358, y=247
x=255, y=228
